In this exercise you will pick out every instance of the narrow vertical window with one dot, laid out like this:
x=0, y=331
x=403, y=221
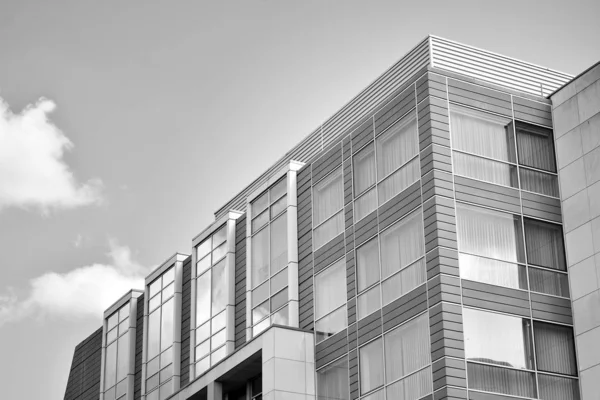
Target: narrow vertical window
x=536, y=151
x=364, y=180
x=330, y=300
x=328, y=206
x=333, y=382
x=371, y=366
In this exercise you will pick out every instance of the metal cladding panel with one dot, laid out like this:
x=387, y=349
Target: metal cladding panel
x=84, y=376
x=495, y=68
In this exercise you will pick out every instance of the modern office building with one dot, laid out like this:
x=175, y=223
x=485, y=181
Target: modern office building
x=436, y=238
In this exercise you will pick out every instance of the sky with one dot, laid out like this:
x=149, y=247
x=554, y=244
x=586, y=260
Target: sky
x=125, y=124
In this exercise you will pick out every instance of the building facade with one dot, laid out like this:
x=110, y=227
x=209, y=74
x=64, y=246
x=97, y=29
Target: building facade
x=412, y=247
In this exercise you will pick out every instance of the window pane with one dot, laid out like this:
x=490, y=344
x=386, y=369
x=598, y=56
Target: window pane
x=497, y=339
x=397, y=145
x=333, y=382
x=554, y=348
x=279, y=299
x=544, y=243
x=112, y=320
x=219, y=252
x=260, y=294
x=371, y=366
x=549, y=282
x=485, y=170
x=219, y=236
x=261, y=327
x=328, y=230
x=203, y=265
x=414, y=386
x=281, y=317
x=260, y=221
x=152, y=366
x=328, y=196
x=331, y=324
x=202, y=366
x=407, y=348
x=279, y=243
x=535, y=146
x=482, y=133
x=217, y=340
x=489, y=233
x=168, y=277
x=368, y=302
x=218, y=355
x=260, y=257
x=278, y=189
x=110, y=394
x=124, y=312
x=165, y=391
x=558, y=388
x=404, y=281
x=539, y=182
x=110, y=371
x=203, y=333
x=278, y=207
x=166, y=328
x=402, y=244
x=367, y=264
x=219, y=288
x=365, y=204
x=260, y=312
x=123, y=357
x=379, y=395
x=219, y=322
x=501, y=380
x=260, y=204
x=168, y=291
x=364, y=169
x=203, y=298
x=330, y=288
x=202, y=349
x=399, y=180
x=279, y=281
x=166, y=373
x=166, y=357
x=203, y=249
x=154, y=287
x=154, y=334
x=491, y=271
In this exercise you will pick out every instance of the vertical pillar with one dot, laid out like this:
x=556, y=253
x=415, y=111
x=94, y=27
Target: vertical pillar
x=214, y=391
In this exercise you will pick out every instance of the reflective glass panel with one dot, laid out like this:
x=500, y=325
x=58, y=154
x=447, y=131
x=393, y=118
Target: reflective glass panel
x=203, y=298
x=279, y=243
x=219, y=288
x=166, y=328
x=371, y=366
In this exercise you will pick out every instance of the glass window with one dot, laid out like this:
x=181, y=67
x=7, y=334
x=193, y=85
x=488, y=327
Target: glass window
x=279, y=254
x=407, y=348
x=545, y=245
x=497, y=339
x=402, y=244
x=399, y=180
x=558, y=388
x=328, y=197
x=414, y=386
x=154, y=334
x=330, y=296
x=277, y=190
x=539, y=182
x=365, y=204
x=536, y=147
x=397, y=145
x=123, y=357
x=554, y=348
x=333, y=382
x=328, y=230
x=371, y=366
x=260, y=257
x=369, y=302
x=489, y=233
x=219, y=288
x=485, y=169
x=367, y=264
x=493, y=272
x=110, y=370
x=203, y=287
x=549, y=282
x=331, y=324
x=364, y=169
x=404, y=281
x=501, y=380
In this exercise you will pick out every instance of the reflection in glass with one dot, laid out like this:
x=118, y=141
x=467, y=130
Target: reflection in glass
x=501, y=380
x=219, y=288
x=260, y=257
x=399, y=180
x=368, y=302
x=203, y=298
x=364, y=169
x=544, y=243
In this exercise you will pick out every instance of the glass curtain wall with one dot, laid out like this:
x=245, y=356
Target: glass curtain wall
x=398, y=364
x=117, y=357
x=386, y=167
x=269, y=278
x=161, y=309
x=211, y=300
x=391, y=264
x=496, y=149
x=508, y=250
x=519, y=357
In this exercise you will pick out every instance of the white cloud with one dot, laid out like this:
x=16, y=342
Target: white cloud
x=32, y=169
x=82, y=292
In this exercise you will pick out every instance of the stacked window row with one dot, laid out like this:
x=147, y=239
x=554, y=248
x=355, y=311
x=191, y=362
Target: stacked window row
x=496, y=149
x=269, y=278
x=211, y=301
x=117, y=359
x=161, y=308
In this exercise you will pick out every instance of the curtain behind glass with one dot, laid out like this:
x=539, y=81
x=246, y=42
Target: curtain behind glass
x=328, y=230
x=491, y=271
x=544, y=243
x=539, y=182
x=485, y=170
x=535, y=147
x=367, y=264
x=489, y=233
x=402, y=244
x=558, y=388
x=368, y=302
x=482, y=133
x=414, y=386
x=549, y=282
x=330, y=289
x=333, y=382
x=364, y=169
x=407, y=348
x=554, y=348
x=404, y=281
x=397, y=145
x=399, y=180
x=365, y=204
x=501, y=380
x=371, y=366
x=328, y=197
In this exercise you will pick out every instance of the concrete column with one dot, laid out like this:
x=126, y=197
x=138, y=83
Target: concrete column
x=215, y=391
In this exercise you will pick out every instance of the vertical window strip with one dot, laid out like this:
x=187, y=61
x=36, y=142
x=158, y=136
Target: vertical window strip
x=117, y=357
